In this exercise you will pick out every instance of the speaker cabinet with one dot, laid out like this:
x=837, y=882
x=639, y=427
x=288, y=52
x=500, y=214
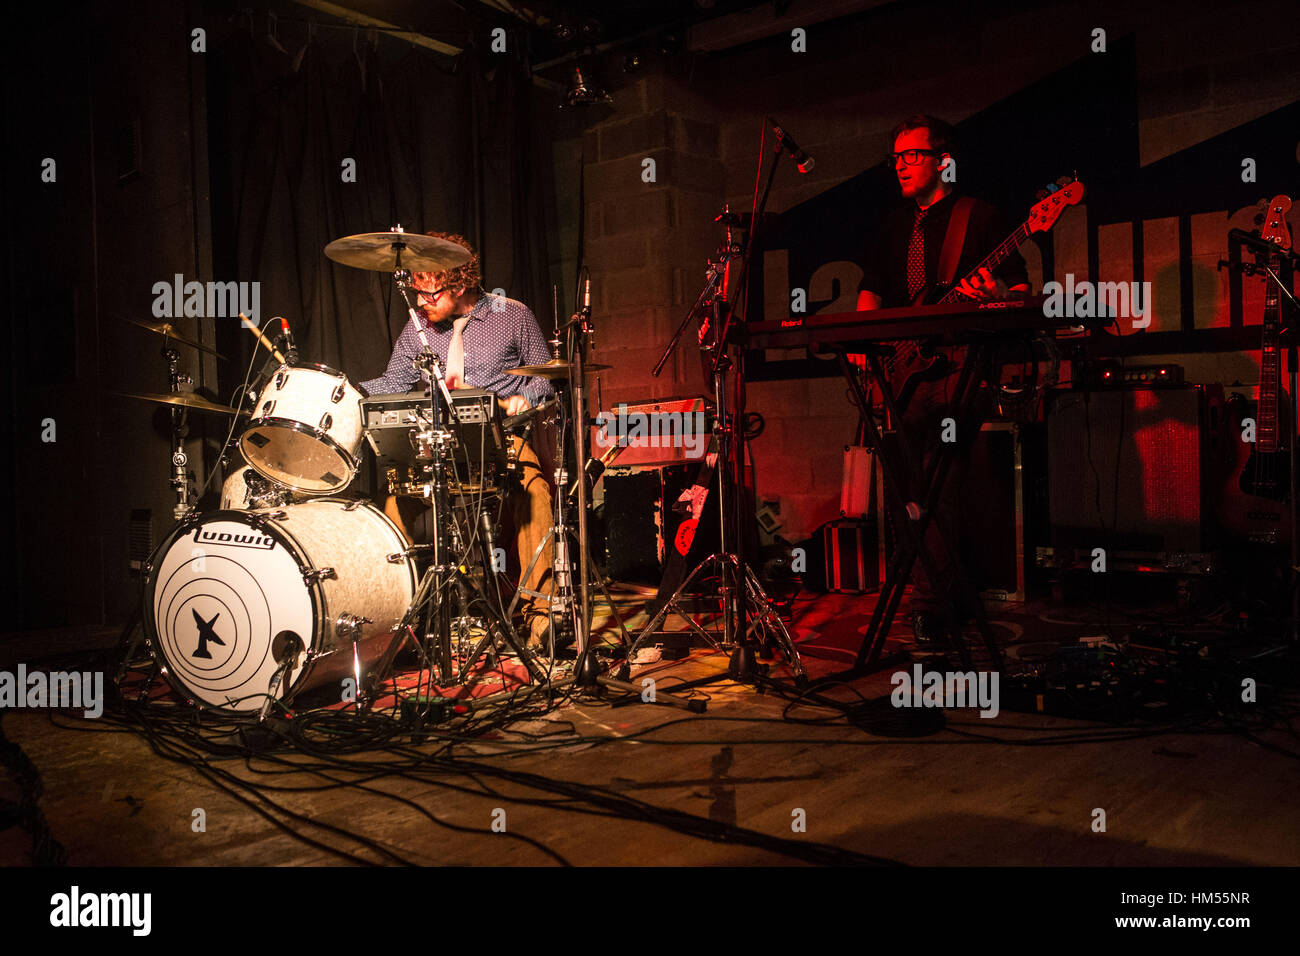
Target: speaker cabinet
x=644, y=517
x=1131, y=471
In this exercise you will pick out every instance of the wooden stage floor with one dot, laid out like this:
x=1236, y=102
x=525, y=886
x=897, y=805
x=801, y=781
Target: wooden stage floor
x=1019, y=789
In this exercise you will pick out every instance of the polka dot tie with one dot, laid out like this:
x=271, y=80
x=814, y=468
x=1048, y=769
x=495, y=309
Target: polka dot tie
x=916, y=256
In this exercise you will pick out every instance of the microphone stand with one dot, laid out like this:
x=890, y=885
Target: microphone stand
x=740, y=589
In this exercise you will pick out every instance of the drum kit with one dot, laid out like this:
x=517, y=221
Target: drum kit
x=292, y=584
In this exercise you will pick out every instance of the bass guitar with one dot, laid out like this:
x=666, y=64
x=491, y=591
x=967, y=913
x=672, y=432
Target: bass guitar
x=916, y=361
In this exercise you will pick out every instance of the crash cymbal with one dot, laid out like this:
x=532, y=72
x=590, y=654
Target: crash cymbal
x=555, y=368
x=378, y=251
x=187, y=399
x=170, y=331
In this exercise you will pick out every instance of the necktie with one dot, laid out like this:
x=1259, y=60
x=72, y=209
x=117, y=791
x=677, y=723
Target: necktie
x=916, y=256
x=456, y=354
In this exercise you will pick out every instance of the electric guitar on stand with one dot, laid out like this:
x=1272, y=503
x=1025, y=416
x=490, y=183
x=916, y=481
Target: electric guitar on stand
x=1262, y=471
x=916, y=361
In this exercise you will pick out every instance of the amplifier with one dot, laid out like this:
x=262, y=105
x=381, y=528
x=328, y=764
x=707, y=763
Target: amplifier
x=1133, y=471
x=644, y=519
x=653, y=432
x=1114, y=374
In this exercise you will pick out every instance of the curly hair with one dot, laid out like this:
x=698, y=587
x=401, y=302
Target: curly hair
x=465, y=276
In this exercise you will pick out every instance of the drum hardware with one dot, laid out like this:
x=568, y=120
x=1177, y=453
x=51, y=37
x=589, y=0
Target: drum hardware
x=428, y=440
x=570, y=608
x=246, y=490
x=315, y=574
x=349, y=627
x=260, y=520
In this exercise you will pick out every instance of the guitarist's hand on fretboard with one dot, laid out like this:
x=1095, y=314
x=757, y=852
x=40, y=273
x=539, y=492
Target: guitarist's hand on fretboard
x=983, y=286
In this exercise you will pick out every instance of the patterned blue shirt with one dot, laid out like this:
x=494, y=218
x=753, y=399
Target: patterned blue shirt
x=501, y=334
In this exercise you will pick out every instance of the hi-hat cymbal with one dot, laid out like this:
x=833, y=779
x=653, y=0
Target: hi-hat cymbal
x=378, y=251
x=555, y=368
x=169, y=330
x=187, y=399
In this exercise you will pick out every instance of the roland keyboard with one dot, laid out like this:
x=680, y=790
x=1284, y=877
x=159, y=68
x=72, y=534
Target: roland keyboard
x=953, y=322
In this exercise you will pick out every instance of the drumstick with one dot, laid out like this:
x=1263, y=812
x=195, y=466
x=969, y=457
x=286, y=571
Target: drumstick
x=261, y=338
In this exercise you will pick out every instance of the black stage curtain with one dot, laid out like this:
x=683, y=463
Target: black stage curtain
x=437, y=143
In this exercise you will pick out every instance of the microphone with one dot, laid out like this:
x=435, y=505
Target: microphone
x=290, y=349
x=586, y=296
x=786, y=141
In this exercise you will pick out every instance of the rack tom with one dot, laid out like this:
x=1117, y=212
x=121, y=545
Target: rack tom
x=306, y=431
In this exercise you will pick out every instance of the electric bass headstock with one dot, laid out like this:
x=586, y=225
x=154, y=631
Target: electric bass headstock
x=1044, y=214
x=1272, y=222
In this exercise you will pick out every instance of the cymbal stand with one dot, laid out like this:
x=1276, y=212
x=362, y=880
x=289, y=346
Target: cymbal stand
x=565, y=603
x=181, y=475
x=181, y=483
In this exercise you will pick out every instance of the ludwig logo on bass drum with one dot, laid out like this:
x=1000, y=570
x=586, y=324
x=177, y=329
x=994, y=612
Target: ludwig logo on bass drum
x=249, y=540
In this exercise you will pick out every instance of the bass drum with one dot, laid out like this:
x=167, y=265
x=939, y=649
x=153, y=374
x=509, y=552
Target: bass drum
x=231, y=595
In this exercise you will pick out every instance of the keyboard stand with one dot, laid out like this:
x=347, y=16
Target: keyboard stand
x=901, y=461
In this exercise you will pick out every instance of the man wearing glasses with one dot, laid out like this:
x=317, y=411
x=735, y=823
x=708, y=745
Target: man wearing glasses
x=902, y=261
x=478, y=335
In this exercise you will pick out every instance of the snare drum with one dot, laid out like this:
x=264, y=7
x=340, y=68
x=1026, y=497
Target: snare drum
x=306, y=432
x=229, y=593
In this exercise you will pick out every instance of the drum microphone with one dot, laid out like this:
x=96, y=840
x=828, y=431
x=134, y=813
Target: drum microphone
x=786, y=141
x=290, y=349
x=248, y=324
x=286, y=655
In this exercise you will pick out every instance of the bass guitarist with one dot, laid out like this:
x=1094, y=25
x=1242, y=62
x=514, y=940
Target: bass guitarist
x=934, y=236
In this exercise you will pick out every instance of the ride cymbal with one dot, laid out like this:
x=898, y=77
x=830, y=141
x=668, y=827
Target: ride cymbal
x=378, y=251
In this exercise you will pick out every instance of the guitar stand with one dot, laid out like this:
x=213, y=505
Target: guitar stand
x=906, y=464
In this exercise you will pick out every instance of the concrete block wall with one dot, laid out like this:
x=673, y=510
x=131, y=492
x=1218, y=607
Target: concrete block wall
x=1199, y=74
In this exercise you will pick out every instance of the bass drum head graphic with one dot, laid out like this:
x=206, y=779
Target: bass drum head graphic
x=233, y=595
x=221, y=599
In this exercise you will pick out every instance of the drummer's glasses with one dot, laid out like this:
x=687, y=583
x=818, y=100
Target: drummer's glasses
x=431, y=294
x=912, y=157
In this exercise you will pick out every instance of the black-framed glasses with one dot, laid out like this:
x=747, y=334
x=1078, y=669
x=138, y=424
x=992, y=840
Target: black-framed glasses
x=912, y=157
x=431, y=294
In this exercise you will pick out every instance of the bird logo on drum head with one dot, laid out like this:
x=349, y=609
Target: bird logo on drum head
x=206, y=633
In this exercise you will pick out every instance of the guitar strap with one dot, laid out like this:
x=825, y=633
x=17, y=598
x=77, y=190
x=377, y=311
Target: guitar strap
x=953, y=240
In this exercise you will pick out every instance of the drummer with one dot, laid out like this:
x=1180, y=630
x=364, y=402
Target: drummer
x=480, y=335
